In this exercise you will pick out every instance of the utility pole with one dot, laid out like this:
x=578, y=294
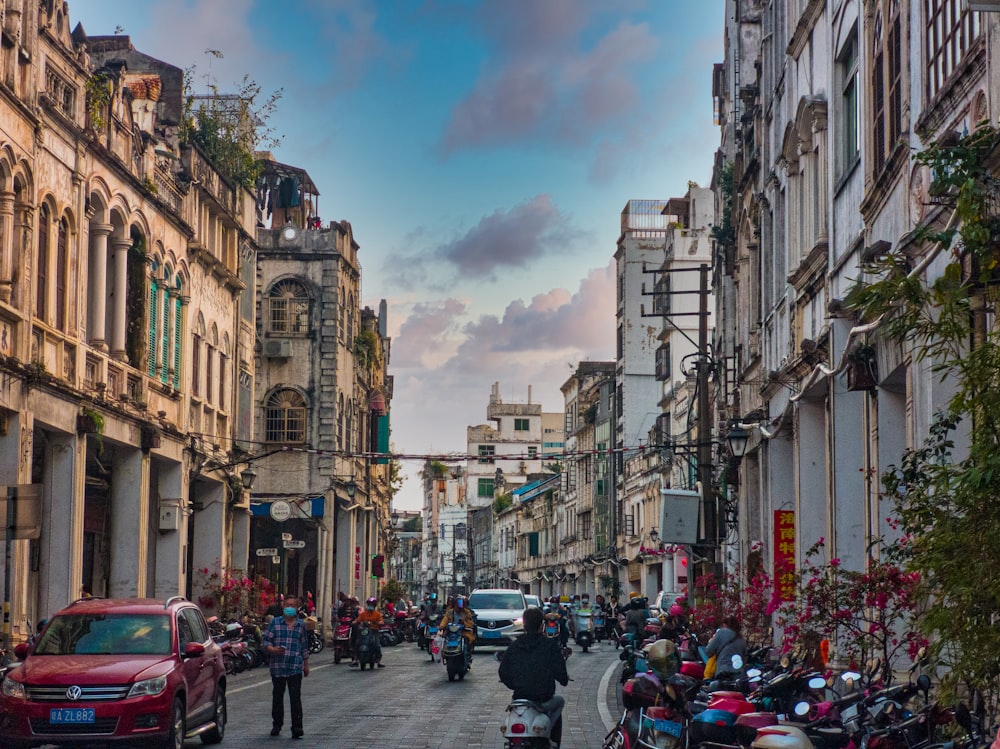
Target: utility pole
x=710, y=509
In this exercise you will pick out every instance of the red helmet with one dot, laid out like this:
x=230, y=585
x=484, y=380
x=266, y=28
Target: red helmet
x=676, y=610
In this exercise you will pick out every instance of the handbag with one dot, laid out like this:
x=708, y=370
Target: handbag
x=710, y=666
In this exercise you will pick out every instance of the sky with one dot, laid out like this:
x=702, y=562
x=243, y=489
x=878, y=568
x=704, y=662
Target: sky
x=482, y=152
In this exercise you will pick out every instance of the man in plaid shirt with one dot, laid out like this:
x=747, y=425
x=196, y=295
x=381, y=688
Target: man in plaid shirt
x=287, y=644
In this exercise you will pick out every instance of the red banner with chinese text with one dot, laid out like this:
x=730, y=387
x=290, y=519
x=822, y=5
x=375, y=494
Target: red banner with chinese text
x=784, y=554
x=357, y=563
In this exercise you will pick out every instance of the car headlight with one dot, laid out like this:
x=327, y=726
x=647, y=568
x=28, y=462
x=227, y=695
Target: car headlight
x=14, y=689
x=519, y=621
x=148, y=687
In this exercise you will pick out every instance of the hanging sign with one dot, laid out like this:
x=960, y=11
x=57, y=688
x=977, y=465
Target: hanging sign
x=784, y=554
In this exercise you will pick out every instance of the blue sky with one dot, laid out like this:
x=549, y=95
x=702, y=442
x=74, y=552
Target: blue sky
x=482, y=152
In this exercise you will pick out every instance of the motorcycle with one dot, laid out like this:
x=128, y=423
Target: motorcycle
x=455, y=653
x=342, y=639
x=314, y=627
x=368, y=650
x=583, y=628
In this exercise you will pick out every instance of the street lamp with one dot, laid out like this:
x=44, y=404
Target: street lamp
x=654, y=536
x=737, y=438
x=248, y=476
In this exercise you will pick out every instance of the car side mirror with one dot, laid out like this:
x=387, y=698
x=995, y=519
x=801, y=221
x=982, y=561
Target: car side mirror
x=21, y=651
x=194, y=650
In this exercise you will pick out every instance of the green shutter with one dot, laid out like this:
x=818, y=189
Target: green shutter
x=165, y=338
x=177, y=343
x=533, y=544
x=153, y=315
x=383, y=439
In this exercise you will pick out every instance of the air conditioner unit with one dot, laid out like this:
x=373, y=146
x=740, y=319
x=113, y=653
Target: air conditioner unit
x=985, y=5
x=277, y=348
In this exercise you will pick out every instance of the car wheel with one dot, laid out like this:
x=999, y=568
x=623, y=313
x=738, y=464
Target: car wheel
x=175, y=738
x=229, y=662
x=215, y=735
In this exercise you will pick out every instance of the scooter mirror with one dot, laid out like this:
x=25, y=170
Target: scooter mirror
x=754, y=673
x=816, y=682
x=850, y=676
x=802, y=709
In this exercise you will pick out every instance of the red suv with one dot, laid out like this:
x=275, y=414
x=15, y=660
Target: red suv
x=127, y=670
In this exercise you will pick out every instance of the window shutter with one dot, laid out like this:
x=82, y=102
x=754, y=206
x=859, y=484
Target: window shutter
x=165, y=338
x=177, y=343
x=383, y=439
x=153, y=315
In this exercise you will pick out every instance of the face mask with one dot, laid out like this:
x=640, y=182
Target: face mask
x=460, y=604
x=289, y=611
x=370, y=608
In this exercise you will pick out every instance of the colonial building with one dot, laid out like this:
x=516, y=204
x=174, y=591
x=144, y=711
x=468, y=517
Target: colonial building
x=323, y=405
x=822, y=108
x=124, y=256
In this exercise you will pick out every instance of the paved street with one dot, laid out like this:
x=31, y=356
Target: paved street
x=411, y=703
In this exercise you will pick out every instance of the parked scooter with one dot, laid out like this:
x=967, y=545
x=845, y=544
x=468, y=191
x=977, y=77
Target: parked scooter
x=455, y=653
x=342, y=639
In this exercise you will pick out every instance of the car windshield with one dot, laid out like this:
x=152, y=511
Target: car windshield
x=108, y=634
x=512, y=601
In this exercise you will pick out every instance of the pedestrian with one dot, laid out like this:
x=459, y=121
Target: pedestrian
x=287, y=643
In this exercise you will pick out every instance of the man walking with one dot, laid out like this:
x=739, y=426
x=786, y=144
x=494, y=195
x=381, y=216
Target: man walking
x=287, y=644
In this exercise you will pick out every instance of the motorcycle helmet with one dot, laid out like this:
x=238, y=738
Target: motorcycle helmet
x=371, y=602
x=676, y=610
x=233, y=630
x=661, y=658
x=432, y=597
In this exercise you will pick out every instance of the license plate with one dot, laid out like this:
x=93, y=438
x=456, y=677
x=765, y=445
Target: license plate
x=668, y=726
x=71, y=715
x=491, y=634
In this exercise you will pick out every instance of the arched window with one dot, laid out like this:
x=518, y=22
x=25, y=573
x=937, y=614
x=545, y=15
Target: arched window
x=288, y=307
x=42, y=264
x=62, y=274
x=285, y=417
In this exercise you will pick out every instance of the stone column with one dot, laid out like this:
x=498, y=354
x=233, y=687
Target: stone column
x=209, y=532
x=6, y=245
x=120, y=247
x=97, y=298
x=129, y=523
x=61, y=543
x=171, y=545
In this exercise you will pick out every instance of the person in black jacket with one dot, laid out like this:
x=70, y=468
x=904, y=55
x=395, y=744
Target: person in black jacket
x=532, y=665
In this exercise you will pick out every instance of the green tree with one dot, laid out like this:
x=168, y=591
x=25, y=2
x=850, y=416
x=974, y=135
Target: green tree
x=948, y=513
x=393, y=590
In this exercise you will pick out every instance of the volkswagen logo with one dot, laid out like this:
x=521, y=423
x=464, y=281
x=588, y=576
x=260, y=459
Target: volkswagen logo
x=74, y=693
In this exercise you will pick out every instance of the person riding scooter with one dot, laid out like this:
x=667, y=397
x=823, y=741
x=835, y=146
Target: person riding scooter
x=458, y=612
x=373, y=619
x=531, y=666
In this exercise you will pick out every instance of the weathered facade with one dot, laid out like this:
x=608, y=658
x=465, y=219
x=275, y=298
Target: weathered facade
x=122, y=262
x=821, y=146
x=323, y=407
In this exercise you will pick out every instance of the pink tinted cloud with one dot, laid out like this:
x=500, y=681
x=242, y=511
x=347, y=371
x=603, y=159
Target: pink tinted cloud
x=429, y=330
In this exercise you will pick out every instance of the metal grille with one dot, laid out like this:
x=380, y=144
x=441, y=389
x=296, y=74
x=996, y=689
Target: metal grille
x=87, y=694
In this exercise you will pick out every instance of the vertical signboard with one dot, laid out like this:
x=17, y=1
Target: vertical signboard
x=784, y=554
x=357, y=564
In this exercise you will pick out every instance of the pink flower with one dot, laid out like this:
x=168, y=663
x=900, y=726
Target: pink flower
x=835, y=562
